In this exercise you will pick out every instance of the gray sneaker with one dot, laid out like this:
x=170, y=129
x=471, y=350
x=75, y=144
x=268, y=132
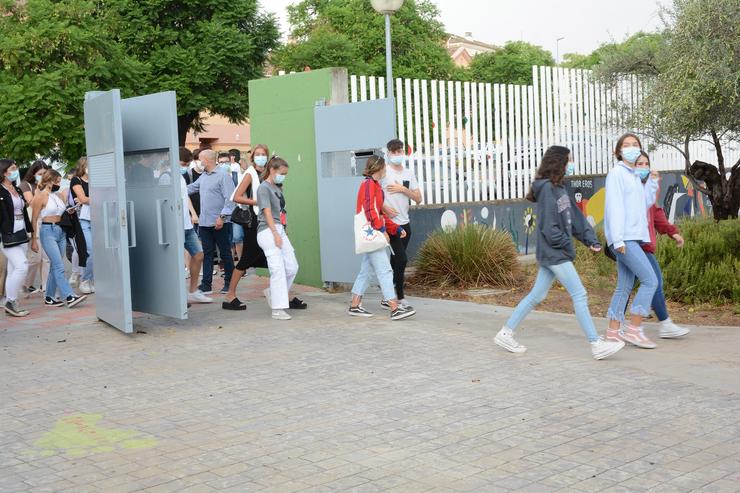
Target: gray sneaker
x=14, y=310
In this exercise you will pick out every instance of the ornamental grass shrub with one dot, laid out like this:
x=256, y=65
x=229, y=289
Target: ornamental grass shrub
x=470, y=256
x=707, y=268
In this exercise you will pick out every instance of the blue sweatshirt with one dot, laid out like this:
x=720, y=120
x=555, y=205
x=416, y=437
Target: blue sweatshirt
x=627, y=203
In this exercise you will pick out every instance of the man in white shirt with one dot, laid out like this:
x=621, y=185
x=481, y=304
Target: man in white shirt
x=400, y=187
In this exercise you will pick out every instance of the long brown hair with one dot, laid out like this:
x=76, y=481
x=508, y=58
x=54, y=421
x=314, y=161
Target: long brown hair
x=275, y=162
x=49, y=176
x=620, y=142
x=255, y=148
x=373, y=165
x=81, y=167
x=552, y=167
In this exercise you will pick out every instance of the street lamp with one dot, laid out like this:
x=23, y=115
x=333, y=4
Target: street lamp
x=387, y=7
x=557, y=50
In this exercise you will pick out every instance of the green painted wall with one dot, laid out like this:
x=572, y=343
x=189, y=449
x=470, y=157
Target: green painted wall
x=282, y=116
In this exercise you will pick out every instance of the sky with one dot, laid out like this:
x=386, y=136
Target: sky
x=584, y=24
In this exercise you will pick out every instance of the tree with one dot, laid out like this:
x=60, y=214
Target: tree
x=418, y=38
x=205, y=50
x=693, y=91
x=511, y=64
x=637, y=53
x=51, y=53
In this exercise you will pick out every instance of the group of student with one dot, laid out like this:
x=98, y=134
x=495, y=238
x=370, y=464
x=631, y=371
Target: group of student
x=220, y=198
x=631, y=218
x=38, y=221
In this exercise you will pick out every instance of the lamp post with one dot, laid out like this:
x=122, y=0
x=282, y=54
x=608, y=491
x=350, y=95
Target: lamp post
x=387, y=7
x=557, y=50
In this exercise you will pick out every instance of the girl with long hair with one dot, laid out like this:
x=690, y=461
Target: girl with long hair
x=558, y=221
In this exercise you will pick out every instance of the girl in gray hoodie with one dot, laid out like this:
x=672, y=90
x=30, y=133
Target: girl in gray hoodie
x=558, y=221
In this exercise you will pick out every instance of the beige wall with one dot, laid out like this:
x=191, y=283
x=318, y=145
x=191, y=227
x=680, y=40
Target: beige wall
x=221, y=135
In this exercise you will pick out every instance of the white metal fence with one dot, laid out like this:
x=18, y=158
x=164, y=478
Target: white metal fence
x=474, y=141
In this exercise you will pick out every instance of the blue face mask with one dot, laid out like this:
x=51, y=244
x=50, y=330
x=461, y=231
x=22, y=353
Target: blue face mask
x=397, y=159
x=643, y=173
x=38, y=178
x=14, y=175
x=183, y=170
x=631, y=154
x=260, y=160
x=570, y=170
x=279, y=179
x=226, y=166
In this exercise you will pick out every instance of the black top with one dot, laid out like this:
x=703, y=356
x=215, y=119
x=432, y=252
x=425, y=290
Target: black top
x=7, y=211
x=79, y=181
x=190, y=177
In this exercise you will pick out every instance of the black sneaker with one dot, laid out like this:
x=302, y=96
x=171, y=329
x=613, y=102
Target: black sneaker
x=73, y=300
x=385, y=305
x=49, y=301
x=401, y=313
x=32, y=290
x=358, y=311
x=297, y=304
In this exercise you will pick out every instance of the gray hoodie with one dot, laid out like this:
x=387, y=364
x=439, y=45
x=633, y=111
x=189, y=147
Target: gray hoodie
x=558, y=220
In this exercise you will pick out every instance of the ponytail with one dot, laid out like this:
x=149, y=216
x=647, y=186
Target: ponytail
x=275, y=162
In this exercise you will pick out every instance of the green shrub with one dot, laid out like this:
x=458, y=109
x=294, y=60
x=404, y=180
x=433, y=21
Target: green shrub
x=470, y=256
x=594, y=268
x=707, y=268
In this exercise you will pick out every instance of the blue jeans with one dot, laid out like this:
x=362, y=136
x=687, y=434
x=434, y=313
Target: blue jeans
x=630, y=264
x=659, y=305
x=237, y=234
x=54, y=243
x=87, y=231
x=210, y=238
x=192, y=243
x=379, y=263
x=568, y=276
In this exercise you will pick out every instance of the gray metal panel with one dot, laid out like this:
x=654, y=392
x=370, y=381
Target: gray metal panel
x=103, y=136
x=342, y=129
x=153, y=191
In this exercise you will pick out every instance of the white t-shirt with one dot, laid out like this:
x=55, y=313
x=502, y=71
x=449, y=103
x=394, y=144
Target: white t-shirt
x=255, y=185
x=399, y=201
x=185, y=207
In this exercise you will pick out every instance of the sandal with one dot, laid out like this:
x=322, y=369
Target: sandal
x=234, y=304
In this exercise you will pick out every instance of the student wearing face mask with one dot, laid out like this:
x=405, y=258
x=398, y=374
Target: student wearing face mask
x=400, y=187
x=658, y=223
x=195, y=169
x=38, y=263
x=271, y=237
x=626, y=229
x=48, y=207
x=15, y=233
x=558, y=222
x=370, y=200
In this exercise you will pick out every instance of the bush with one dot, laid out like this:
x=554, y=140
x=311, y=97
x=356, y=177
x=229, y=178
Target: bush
x=470, y=256
x=594, y=268
x=707, y=268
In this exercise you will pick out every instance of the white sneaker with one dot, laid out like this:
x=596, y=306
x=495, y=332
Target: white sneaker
x=74, y=280
x=86, y=287
x=637, y=337
x=266, y=292
x=603, y=349
x=669, y=330
x=199, y=297
x=280, y=315
x=505, y=339
x=187, y=273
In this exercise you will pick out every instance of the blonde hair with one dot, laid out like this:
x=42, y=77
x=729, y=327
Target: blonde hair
x=81, y=167
x=373, y=165
x=49, y=177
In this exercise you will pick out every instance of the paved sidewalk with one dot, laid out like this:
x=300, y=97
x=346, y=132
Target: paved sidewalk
x=234, y=401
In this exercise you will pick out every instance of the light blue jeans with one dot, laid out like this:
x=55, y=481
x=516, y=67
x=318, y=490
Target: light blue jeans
x=54, y=243
x=379, y=263
x=568, y=276
x=630, y=264
x=87, y=231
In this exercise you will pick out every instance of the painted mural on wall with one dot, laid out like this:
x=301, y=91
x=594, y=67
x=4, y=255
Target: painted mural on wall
x=677, y=196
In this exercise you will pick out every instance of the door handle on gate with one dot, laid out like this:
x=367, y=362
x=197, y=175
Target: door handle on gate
x=160, y=228
x=106, y=232
x=131, y=224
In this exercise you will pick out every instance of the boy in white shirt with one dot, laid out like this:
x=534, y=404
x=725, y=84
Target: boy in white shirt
x=400, y=187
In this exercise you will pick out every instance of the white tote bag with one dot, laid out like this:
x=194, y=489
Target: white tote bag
x=367, y=238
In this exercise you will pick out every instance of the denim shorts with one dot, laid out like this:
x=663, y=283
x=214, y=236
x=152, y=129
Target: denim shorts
x=237, y=234
x=192, y=243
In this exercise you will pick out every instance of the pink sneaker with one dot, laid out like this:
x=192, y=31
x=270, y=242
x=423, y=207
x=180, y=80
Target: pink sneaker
x=635, y=335
x=614, y=335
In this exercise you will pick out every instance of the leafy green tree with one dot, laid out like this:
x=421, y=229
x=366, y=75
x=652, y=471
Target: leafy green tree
x=637, y=53
x=585, y=62
x=511, y=64
x=418, y=38
x=51, y=53
x=205, y=50
x=693, y=90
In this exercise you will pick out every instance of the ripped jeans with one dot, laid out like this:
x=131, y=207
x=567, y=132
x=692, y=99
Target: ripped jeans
x=630, y=264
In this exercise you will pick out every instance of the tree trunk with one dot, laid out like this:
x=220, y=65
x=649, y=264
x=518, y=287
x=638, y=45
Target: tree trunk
x=184, y=124
x=724, y=195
